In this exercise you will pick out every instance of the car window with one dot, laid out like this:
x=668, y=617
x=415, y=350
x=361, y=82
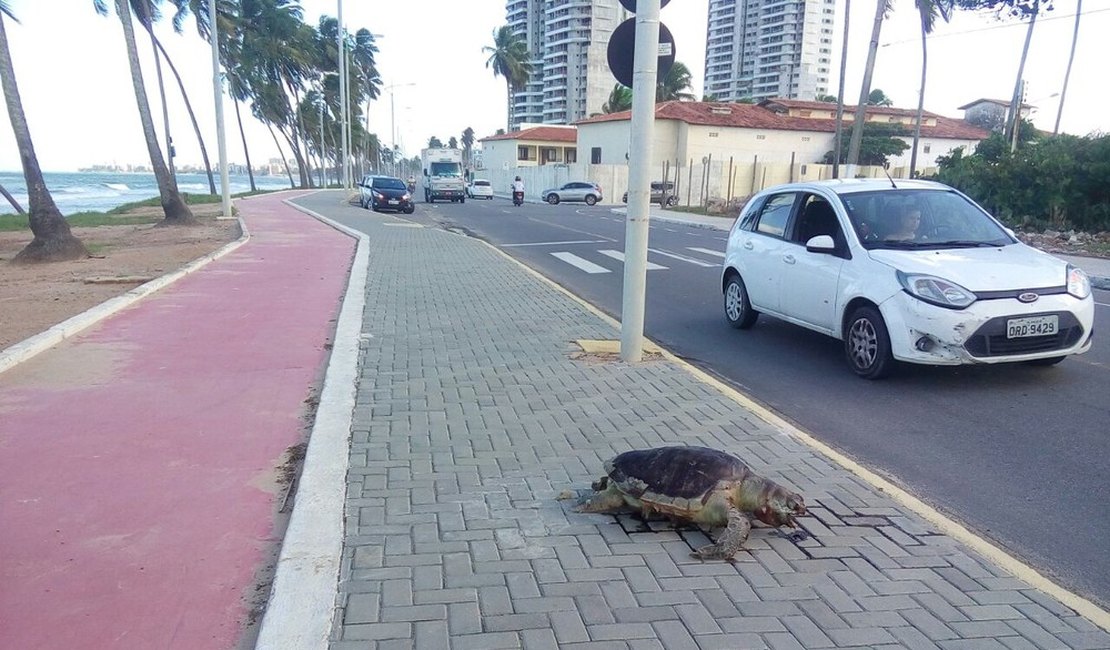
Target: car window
x=389, y=184
x=482, y=183
x=774, y=215
x=944, y=219
x=815, y=217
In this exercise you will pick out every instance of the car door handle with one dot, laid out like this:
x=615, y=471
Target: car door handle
x=789, y=259
x=748, y=245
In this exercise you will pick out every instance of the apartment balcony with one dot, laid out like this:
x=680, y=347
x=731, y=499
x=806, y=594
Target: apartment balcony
x=570, y=37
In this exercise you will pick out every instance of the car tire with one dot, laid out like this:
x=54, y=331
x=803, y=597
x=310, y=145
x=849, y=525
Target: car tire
x=410, y=210
x=461, y=200
x=553, y=199
x=672, y=201
x=738, y=309
x=867, y=344
x=1044, y=363
x=591, y=199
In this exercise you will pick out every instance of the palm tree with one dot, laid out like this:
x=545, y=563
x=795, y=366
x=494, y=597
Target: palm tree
x=468, y=144
x=838, y=139
x=882, y=8
x=878, y=98
x=53, y=241
x=1067, y=75
x=509, y=58
x=675, y=85
x=929, y=10
x=620, y=99
x=174, y=208
x=452, y=143
x=1014, y=123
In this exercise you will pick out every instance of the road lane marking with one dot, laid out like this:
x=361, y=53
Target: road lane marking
x=706, y=251
x=680, y=257
x=557, y=243
x=618, y=255
x=578, y=262
x=1101, y=304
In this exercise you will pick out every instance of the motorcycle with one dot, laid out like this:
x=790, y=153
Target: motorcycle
x=518, y=198
x=412, y=188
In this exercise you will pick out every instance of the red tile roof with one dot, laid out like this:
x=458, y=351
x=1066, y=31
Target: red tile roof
x=751, y=116
x=539, y=134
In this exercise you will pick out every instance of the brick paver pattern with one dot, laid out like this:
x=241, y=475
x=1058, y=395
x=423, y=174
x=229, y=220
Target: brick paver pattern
x=473, y=414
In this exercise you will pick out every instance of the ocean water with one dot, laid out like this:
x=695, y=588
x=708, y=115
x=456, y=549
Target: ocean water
x=101, y=191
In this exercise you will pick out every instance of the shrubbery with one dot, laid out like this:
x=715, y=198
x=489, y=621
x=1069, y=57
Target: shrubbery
x=1056, y=181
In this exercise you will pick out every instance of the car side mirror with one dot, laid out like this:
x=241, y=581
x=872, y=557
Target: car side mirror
x=821, y=244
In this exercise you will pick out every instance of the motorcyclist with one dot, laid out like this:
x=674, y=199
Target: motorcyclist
x=518, y=191
x=412, y=183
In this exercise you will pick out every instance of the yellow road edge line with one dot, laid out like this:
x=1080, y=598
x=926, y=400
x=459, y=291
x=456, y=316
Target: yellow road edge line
x=1085, y=608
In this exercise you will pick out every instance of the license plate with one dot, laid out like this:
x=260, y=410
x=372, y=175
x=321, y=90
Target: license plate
x=1017, y=328
x=394, y=202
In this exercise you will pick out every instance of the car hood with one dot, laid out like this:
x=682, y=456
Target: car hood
x=1016, y=266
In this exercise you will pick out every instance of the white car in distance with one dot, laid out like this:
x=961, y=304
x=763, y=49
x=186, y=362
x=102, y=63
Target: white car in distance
x=902, y=270
x=479, y=188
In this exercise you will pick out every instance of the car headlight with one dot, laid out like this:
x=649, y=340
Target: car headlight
x=936, y=291
x=1079, y=285
x=378, y=196
x=405, y=196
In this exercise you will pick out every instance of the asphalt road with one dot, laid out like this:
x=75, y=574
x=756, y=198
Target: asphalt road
x=1016, y=453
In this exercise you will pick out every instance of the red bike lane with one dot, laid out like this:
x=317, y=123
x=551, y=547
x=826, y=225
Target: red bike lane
x=140, y=459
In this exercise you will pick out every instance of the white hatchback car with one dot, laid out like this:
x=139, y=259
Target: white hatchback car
x=479, y=188
x=902, y=270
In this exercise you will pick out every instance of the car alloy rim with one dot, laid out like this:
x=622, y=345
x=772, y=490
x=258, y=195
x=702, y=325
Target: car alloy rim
x=864, y=342
x=733, y=302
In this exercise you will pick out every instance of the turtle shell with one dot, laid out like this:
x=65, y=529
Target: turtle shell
x=674, y=472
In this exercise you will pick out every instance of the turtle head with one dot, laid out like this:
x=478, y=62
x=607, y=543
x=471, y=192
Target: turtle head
x=780, y=508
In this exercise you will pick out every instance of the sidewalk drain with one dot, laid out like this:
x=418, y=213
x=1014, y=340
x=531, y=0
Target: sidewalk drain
x=609, y=350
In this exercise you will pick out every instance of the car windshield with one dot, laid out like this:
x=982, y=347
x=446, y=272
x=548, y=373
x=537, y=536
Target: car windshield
x=389, y=184
x=445, y=169
x=916, y=218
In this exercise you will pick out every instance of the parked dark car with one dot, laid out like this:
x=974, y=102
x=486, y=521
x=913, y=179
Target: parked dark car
x=659, y=195
x=385, y=193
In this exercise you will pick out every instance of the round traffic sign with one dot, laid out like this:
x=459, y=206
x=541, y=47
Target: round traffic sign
x=631, y=4
x=622, y=46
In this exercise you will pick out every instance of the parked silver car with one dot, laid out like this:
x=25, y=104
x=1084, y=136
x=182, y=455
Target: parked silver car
x=580, y=191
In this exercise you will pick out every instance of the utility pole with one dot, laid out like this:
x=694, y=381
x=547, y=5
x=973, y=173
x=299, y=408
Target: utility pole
x=645, y=66
x=218, y=88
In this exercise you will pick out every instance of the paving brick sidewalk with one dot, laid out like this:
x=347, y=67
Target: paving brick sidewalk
x=473, y=414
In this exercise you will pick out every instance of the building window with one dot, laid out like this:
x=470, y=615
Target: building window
x=522, y=153
x=595, y=156
x=760, y=137
x=805, y=138
x=713, y=134
x=571, y=156
x=926, y=148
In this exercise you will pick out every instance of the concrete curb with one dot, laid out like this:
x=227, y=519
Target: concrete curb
x=27, y=348
x=302, y=599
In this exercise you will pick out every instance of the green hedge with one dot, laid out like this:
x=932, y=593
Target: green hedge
x=1060, y=182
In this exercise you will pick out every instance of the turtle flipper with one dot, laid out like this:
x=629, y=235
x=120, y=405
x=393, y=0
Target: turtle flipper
x=730, y=541
x=608, y=500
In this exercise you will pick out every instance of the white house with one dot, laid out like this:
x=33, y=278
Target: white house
x=532, y=146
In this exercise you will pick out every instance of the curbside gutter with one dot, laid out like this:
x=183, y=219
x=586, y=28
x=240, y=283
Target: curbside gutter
x=302, y=600
x=29, y=347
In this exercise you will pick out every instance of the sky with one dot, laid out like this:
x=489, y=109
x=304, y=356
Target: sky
x=76, y=89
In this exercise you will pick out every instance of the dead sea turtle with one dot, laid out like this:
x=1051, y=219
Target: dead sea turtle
x=697, y=485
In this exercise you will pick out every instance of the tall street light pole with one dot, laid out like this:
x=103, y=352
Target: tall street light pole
x=217, y=86
x=341, y=43
x=393, y=124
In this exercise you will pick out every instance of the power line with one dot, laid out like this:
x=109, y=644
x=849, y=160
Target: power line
x=984, y=29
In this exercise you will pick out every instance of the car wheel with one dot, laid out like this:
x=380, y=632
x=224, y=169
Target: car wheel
x=463, y=199
x=410, y=210
x=867, y=344
x=672, y=201
x=738, y=309
x=553, y=199
x=1044, y=363
x=591, y=199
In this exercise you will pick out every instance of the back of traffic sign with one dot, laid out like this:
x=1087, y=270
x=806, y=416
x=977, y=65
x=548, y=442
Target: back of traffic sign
x=622, y=54
x=631, y=4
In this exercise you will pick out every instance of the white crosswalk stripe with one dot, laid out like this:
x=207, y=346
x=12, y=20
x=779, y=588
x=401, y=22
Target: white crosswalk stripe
x=618, y=255
x=578, y=262
x=682, y=257
x=706, y=251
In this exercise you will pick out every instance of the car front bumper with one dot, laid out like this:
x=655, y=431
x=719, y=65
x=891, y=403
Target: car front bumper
x=924, y=333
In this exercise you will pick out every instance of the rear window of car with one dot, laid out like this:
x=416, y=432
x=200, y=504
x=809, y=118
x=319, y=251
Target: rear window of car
x=389, y=184
x=481, y=183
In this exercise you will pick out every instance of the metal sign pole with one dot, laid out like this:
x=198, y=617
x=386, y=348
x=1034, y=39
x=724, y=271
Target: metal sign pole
x=645, y=65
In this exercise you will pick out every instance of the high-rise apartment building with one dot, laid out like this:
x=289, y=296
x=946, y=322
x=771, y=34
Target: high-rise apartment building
x=568, y=41
x=769, y=48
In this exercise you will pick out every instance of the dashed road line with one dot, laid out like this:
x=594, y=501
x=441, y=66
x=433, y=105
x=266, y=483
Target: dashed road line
x=557, y=243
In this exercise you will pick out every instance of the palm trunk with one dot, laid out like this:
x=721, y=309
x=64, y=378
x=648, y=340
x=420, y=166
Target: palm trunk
x=1014, y=123
x=920, y=101
x=246, y=151
x=162, y=96
x=284, y=160
x=865, y=89
x=52, y=239
x=1067, y=75
x=192, y=118
x=177, y=213
x=11, y=199
x=838, y=139
x=297, y=137
x=509, y=105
